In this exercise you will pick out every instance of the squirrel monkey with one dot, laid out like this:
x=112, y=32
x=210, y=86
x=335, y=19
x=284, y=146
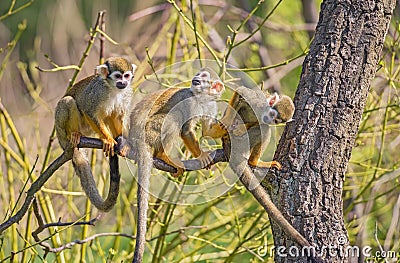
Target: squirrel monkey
x=240, y=118
x=157, y=121
x=99, y=103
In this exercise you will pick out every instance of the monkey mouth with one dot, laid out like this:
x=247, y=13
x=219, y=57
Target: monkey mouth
x=121, y=85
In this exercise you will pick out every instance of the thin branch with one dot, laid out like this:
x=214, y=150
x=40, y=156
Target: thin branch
x=305, y=52
x=103, y=35
x=231, y=43
x=58, y=68
x=93, y=34
x=42, y=226
x=48, y=248
x=35, y=187
x=190, y=24
x=195, y=31
x=12, y=11
x=259, y=26
x=21, y=28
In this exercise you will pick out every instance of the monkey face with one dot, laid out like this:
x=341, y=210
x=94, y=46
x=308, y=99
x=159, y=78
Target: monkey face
x=121, y=80
x=201, y=82
x=269, y=116
x=117, y=71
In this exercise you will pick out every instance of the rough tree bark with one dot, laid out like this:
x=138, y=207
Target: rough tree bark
x=315, y=148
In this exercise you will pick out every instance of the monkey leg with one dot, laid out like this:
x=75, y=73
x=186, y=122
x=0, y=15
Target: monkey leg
x=239, y=129
x=68, y=122
x=99, y=126
x=217, y=130
x=192, y=144
x=254, y=159
x=177, y=163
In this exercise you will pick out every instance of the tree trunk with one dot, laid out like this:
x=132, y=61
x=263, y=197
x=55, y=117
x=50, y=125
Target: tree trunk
x=315, y=148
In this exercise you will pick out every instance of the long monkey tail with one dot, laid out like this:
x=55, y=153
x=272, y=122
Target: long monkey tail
x=83, y=170
x=145, y=163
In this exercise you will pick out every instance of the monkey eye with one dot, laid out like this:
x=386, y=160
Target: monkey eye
x=195, y=82
x=118, y=75
x=127, y=75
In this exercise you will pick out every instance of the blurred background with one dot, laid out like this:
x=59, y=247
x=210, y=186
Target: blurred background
x=48, y=34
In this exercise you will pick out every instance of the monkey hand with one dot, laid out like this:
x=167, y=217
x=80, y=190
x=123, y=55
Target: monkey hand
x=276, y=165
x=179, y=172
x=108, y=146
x=124, y=150
x=239, y=129
x=271, y=164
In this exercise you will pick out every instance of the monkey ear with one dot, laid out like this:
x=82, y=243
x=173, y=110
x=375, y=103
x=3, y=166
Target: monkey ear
x=134, y=67
x=102, y=70
x=218, y=86
x=273, y=99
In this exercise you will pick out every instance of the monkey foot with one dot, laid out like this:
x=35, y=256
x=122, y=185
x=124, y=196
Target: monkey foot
x=75, y=138
x=179, y=172
x=123, y=152
x=108, y=146
x=205, y=159
x=180, y=167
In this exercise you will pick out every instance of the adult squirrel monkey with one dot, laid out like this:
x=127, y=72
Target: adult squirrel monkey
x=157, y=121
x=241, y=118
x=99, y=103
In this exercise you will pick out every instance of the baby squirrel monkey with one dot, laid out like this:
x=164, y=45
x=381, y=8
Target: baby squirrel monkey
x=157, y=121
x=99, y=103
x=240, y=118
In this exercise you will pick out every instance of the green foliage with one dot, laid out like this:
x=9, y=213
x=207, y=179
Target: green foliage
x=372, y=188
x=230, y=228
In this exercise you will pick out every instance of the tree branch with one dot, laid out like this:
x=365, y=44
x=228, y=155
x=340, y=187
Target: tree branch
x=86, y=142
x=35, y=187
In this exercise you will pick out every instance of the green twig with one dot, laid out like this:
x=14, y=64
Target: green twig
x=190, y=24
x=305, y=52
x=195, y=32
x=12, y=11
x=259, y=26
x=11, y=46
x=231, y=40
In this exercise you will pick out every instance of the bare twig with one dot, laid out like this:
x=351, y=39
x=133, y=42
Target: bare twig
x=35, y=187
x=377, y=241
x=190, y=24
x=102, y=28
x=12, y=11
x=42, y=226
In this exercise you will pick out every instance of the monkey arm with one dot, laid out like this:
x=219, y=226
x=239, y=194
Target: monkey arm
x=220, y=128
x=99, y=126
x=189, y=139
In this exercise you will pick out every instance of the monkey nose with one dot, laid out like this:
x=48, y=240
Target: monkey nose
x=121, y=85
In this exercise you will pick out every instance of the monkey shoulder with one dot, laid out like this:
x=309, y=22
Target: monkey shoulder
x=79, y=87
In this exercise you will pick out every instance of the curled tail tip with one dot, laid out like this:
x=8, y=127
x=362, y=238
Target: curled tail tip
x=83, y=170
